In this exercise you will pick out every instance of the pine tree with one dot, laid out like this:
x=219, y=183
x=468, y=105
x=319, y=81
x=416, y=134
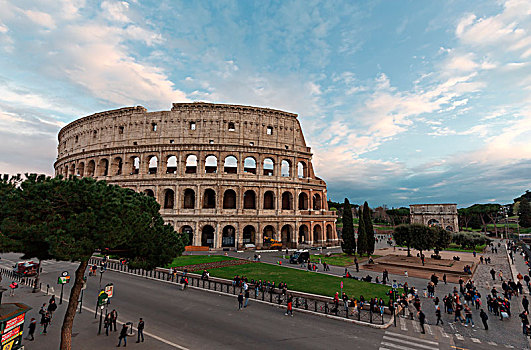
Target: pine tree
x=369, y=229
x=362, y=235
x=525, y=213
x=349, y=241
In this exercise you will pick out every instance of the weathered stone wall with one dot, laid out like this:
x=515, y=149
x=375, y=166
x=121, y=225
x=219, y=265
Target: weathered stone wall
x=153, y=152
x=443, y=215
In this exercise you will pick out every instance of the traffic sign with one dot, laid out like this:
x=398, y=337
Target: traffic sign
x=109, y=290
x=63, y=280
x=64, y=274
x=102, y=298
x=341, y=284
x=395, y=286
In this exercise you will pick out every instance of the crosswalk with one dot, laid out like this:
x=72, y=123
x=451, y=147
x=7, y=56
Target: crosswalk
x=407, y=336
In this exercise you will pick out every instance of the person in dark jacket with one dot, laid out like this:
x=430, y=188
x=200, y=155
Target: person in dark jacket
x=31, y=329
x=114, y=319
x=438, y=314
x=484, y=318
x=240, y=301
x=107, y=323
x=140, y=329
x=422, y=320
x=123, y=335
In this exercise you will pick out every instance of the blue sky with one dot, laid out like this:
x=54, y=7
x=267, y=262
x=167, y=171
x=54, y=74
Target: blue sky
x=401, y=101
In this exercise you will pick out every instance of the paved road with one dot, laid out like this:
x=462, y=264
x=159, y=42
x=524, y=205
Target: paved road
x=197, y=319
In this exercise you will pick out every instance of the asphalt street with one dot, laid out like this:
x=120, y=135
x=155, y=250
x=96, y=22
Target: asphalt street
x=196, y=319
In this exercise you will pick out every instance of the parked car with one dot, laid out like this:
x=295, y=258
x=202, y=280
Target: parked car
x=26, y=268
x=299, y=257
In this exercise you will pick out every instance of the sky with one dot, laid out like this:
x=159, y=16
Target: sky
x=402, y=102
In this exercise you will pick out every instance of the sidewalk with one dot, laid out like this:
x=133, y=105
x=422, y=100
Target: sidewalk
x=84, y=332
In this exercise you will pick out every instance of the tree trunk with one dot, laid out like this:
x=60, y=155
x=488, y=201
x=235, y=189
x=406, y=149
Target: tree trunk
x=68, y=322
x=408, y=251
x=36, y=285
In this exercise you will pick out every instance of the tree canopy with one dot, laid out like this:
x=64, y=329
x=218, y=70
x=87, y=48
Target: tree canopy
x=403, y=237
x=70, y=219
x=369, y=228
x=362, y=235
x=349, y=240
x=524, y=213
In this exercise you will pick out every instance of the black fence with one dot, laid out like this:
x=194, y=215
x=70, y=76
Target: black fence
x=301, y=301
x=10, y=274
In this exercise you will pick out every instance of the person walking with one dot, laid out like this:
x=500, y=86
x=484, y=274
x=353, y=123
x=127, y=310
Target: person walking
x=31, y=329
x=525, y=322
x=45, y=322
x=422, y=320
x=438, y=314
x=289, y=310
x=12, y=287
x=468, y=316
x=484, y=317
x=107, y=323
x=114, y=319
x=140, y=330
x=123, y=335
x=240, y=301
x=493, y=274
x=444, y=278
x=525, y=304
x=51, y=308
x=246, y=297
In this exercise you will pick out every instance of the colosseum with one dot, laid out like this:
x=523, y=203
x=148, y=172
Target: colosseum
x=227, y=176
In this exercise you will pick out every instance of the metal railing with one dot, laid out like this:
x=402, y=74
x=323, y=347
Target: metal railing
x=302, y=301
x=10, y=274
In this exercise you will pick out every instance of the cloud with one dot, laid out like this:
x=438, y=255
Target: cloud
x=41, y=18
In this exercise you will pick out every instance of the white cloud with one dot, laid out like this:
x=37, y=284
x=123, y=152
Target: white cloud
x=115, y=10
x=3, y=28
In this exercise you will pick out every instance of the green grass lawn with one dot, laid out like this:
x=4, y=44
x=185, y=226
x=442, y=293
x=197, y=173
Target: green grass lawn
x=197, y=259
x=303, y=281
x=457, y=248
x=340, y=259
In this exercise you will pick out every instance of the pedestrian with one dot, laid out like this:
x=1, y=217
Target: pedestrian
x=12, y=287
x=31, y=329
x=240, y=301
x=107, y=323
x=289, y=310
x=123, y=335
x=114, y=319
x=484, y=318
x=45, y=322
x=422, y=320
x=246, y=297
x=438, y=314
x=405, y=274
x=525, y=304
x=444, y=278
x=493, y=274
x=140, y=330
x=468, y=316
x=525, y=322
x=52, y=307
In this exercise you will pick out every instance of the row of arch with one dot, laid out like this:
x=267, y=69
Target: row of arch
x=249, y=236
x=230, y=200
x=230, y=166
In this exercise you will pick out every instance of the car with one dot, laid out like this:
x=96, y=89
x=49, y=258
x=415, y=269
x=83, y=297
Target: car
x=299, y=257
x=26, y=268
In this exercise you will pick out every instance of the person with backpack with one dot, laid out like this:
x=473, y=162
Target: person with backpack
x=123, y=335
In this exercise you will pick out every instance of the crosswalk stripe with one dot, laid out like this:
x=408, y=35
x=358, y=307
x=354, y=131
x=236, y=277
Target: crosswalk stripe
x=407, y=342
x=383, y=348
x=509, y=346
x=428, y=329
x=395, y=346
x=491, y=343
x=444, y=333
x=403, y=325
x=416, y=326
x=475, y=340
x=411, y=338
x=459, y=336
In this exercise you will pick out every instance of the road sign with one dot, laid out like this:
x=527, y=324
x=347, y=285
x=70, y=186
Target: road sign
x=63, y=280
x=64, y=274
x=102, y=298
x=395, y=286
x=109, y=290
x=341, y=284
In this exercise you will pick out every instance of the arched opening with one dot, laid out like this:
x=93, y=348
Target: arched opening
x=316, y=201
x=287, y=201
x=317, y=234
x=171, y=165
x=65, y=171
x=72, y=170
x=303, y=201
x=228, y=236
x=91, y=167
x=249, y=200
x=207, y=236
x=434, y=222
x=285, y=168
x=303, y=234
x=211, y=165
x=329, y=233
x=229, y=199
x=249, y=234
x=169, y=199
x=449, y=228
x=269, y=200
x=117, y=165
x=301, y=170
x=230, y=165
x=135, y=165
x=189, y=232
x=81, y=169
x=285, y=235
x=189, y=199
x=191, y=164
x=249, y=165
x=231, y=126
x=153, y=164
x=103, y=167
x=269, y=167
x=209, y=199
x=149, y=193
x=269, y=235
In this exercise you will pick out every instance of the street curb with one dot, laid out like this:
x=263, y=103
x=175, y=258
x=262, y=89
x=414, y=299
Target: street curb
x=337, y=318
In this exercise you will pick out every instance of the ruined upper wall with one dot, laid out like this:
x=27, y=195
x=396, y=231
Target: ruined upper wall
x=187, y=123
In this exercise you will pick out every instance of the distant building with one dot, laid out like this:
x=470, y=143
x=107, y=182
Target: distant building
x=442, y=215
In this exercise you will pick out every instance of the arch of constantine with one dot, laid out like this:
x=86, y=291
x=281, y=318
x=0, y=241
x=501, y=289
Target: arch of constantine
x=442, y=215
x=227, y=176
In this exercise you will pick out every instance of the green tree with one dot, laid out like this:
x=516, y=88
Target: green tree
x=369, y=228
x=362, y=234
x=441, y=238
x=423, y=238
x=403, y=237
x=399, y=216
x=469, y=240
x=70, y=219
x=525, y=213
x=349, y=240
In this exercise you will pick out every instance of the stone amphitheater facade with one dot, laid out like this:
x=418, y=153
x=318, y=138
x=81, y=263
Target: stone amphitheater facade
x=228, y=176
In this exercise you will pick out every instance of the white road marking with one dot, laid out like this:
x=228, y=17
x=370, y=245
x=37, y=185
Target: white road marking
x=407, y=342
x=428, y=329
x=411, y=338
x=475, y=340
x=459, y=336
x=509, y=346
x=416, y=326
x=444, y=333
x=491, y=343
x=396, y=346
x=403, y=325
